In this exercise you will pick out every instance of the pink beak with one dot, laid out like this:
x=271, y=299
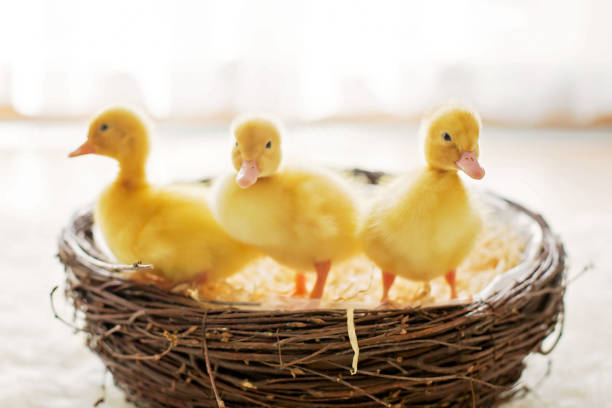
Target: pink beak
x=247, y=176
x=85, y=148
x=468, y=162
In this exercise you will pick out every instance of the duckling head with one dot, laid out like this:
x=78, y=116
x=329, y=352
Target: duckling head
x=118, y=133
x=257, y=150
x=451, y=141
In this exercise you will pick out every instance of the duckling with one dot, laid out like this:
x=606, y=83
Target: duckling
x=298, y=216
x=172, y=229
x=423, y=225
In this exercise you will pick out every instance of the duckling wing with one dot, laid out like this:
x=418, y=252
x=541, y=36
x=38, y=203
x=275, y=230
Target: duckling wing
x=259, y=215
x=297, y=212
x=322, y=208
x=181, y=238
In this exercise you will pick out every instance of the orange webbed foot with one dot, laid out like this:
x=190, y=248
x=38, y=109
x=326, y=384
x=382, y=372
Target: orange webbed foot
x=300, y=285
x=387, y=304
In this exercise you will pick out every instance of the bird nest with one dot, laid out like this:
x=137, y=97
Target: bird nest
x=171, y=350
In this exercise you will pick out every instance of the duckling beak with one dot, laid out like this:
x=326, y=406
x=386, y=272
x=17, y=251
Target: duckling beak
x=85, y=148
x=468, y=162
x=247, y=176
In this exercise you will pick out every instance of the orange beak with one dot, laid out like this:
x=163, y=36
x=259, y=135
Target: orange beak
x=85, y=148
x=470, y=166
x=247, y=176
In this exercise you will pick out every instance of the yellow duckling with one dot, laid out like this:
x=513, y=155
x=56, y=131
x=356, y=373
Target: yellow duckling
x=422, y=225
x=301, y=218
x=173, y=230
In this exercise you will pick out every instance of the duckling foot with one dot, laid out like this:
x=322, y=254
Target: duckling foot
x=322, y=269
x=300, y=285
x=387, y=280
x=451, y=280
x=388, y=304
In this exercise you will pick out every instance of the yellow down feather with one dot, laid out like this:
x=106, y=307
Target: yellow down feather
x=422, y=225
x=171, y=228
x=298, y=216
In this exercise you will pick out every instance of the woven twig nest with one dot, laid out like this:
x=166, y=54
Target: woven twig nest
x=169, y=350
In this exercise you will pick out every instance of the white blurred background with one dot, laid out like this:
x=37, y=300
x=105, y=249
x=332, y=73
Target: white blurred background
x=350, y=79
x=518, y=62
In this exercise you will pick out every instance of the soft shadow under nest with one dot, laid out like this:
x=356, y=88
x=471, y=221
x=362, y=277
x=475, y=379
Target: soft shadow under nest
x=169, y=350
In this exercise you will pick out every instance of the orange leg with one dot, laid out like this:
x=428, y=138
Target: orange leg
x=451, y=280
x=322, y=269
x=300, y=285
x=387, y=281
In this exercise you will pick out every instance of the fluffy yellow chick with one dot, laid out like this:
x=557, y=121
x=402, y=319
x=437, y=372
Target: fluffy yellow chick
x=173, y=230
x=300, y=217
x=423, y=225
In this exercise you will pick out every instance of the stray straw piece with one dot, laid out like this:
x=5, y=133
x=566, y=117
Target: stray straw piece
x=350, y=322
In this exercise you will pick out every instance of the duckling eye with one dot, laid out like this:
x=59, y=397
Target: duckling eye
x=446, y=137
x=269, y=144
x=103, y=127
x=236, y=144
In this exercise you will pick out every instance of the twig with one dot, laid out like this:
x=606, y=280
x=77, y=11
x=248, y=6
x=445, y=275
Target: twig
x=308, y=357
x=56, y=315
x=473, y=394
x=220, y=402
x=544, y=376
x=341, y=381
x=561, y=328
x=280, y=356
x=424, y=379
x=139, y=357
x=586, y=268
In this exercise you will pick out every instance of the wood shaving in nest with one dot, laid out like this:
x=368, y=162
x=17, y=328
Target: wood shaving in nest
x=357, y=282
x=350, y=324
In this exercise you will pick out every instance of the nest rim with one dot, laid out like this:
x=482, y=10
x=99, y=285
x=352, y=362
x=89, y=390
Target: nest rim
x=117, y=312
